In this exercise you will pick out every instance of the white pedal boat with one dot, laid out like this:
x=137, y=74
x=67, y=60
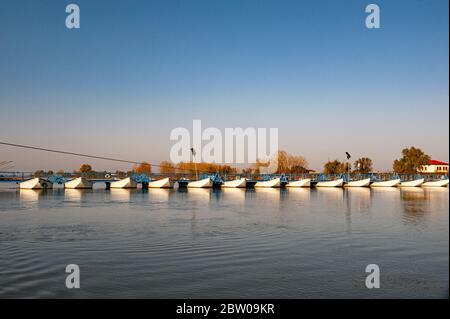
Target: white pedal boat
x=414, y=183
x=335, y=183
x=306, y=182
x=390, y=183
x=360, y=183
x=203, y=183
x=36, y=183
x=237, y=183
x=124, y=183
x=438, y=183
x=275, y=182
x=161, y=183
x=79, y=182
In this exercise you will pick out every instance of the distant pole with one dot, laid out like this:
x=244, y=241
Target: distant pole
x=348, y=172
x=195, y=164
x=348, y=166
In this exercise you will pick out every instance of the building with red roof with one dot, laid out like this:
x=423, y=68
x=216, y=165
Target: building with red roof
x=435, y=166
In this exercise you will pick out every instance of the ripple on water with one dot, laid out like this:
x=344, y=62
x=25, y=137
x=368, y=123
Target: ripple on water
x=224, y=244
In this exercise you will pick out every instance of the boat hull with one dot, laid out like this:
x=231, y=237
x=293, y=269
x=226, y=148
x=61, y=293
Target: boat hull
x=335, y=183
x=276, y=182
x=360, y=183
x=78, y=183
x=237, y=183
x=391, y=183
x=161, y=183
x=36, y=183
x=439, y=183
x=415, y=183
x=203, y=183
x=306, y=182
x=124, y=183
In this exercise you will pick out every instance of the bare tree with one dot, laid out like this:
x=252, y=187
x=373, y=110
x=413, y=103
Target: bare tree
x=166, y=167
x=334, y=167
x=363, y=165
x=289, y=163
x=143, y=168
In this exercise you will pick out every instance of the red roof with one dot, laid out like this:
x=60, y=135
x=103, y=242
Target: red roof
x=434, y=162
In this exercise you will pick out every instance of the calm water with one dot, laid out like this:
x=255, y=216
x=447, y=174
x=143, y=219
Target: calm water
x=293, y=243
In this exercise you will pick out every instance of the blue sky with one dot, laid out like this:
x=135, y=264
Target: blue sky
x=137, y=69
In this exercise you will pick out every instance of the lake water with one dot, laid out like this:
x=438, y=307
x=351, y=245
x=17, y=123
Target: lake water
x=233, y=243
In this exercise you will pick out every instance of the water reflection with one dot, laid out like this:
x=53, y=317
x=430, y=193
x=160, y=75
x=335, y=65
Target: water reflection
x=268, y=194
x=8, y=185
x=333, y=196
x=414, y=205
x=301, y=194
x=32, y=195
x=58, y=186
x=120, y=194
x=191, y=242
x=237, y=195
x=73, y=195
x=99, y=185
x=359, y=199
x=437, y=196
x=199, y=194
x=419, y=203
x=394, y=191
x=413, y=192
x=160, y=194
x=437, y=199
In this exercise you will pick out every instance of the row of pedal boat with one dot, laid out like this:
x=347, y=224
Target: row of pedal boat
x=83, y=183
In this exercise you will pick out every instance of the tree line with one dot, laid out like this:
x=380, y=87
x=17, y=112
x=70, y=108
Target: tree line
x=281, y=163
x=411, y=161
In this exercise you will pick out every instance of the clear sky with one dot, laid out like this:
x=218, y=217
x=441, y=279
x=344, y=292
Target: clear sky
x=137, y=69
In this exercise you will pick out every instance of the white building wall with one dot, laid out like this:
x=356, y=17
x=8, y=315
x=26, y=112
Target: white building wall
x=434, y=169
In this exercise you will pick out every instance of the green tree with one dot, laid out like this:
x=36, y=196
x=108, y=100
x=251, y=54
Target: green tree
x=363, y=165
x=412, y=159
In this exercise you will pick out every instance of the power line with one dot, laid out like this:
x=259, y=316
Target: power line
x=90, y=156
x=6, y=165
x=70, y=153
